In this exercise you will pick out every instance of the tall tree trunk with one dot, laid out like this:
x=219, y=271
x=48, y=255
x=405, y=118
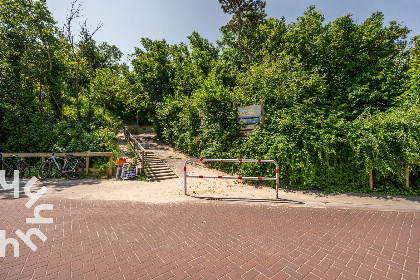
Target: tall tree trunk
x=77, y=90
x=239, y=38
x=89, y=113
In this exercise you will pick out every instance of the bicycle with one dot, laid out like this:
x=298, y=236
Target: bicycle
x=17, y=164
x=72, y=167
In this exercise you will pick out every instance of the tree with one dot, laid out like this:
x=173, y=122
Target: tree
x=77, y=46
x=109, y=89
x=411, y=97
x=153, y=75
x=31, y=74
x=247, y=13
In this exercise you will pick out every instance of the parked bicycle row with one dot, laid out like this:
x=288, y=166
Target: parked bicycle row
x=69, y=166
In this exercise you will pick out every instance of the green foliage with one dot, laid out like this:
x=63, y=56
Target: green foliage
x=37, y=101
x=246, y=14
x=340, y=98
x=132, y=153
x=332, y=95
x=152, y=74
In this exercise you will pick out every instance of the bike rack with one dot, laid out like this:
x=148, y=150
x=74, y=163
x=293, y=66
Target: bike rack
x=232, y=177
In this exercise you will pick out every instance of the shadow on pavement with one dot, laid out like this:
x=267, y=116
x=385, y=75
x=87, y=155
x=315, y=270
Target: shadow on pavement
x=253, y=200
x=321, y=194
x=58, y=185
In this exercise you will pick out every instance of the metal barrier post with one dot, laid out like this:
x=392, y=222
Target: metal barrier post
x=233, y=177
x=185, y=177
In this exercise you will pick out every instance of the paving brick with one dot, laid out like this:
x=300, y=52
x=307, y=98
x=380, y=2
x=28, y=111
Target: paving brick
x=251, y=274
x=64, y=274
x=40, y=272
x=334, y=272
x=305, y=270
x=363, y=273
x=135, y=240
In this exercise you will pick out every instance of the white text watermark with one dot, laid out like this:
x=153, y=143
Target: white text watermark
x=37, y=219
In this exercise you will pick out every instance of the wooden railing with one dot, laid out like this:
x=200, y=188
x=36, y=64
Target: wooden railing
x=406, y=174
x=88, y=155
x=137, y=147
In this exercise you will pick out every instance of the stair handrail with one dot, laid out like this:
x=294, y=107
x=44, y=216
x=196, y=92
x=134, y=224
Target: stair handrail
x=137, y=147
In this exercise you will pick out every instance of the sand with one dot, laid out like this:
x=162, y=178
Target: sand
x=230, y=191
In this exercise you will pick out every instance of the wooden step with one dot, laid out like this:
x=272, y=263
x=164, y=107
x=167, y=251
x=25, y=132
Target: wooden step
x=154, y=161
x=168, y=171
x=156, y=164
x=157, y=169
x=161, y=178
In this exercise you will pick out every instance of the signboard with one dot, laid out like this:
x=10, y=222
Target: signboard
x=249, y=121
x=253, y=111
x=249, y=118
x=245, y=132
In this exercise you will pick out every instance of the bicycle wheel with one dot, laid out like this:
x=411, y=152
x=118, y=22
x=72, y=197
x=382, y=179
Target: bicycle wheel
x=7, y=172
x=44, y=170
x=73, y=169
x=24, y=169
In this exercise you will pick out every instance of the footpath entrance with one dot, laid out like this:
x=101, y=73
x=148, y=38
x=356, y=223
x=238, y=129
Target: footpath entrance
x=143, y=145
x=232, y=177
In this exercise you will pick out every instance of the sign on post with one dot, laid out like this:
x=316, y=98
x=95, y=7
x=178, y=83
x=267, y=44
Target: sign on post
x=249, y=118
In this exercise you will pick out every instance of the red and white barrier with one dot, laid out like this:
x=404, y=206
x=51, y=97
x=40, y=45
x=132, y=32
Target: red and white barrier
x=232, y=177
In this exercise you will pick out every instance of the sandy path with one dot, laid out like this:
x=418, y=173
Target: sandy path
x=172, y=190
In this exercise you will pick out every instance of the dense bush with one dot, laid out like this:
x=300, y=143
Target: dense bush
x=44, y=105
x=340, y=99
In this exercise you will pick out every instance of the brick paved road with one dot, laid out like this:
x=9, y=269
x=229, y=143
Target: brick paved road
x=212, y=240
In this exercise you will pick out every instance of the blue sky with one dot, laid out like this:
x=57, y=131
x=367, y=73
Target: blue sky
x=126, y=21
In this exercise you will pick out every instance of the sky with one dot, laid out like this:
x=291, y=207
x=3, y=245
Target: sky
x=125, y=22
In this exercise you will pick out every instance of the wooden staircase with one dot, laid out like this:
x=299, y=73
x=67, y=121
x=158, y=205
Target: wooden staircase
x=156, y=169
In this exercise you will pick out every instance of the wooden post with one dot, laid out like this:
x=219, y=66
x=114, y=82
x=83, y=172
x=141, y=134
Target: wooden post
x=371, y=179
x=87, y=164
x=142, y=161
x=407, y=177
x=262, y=111
x=42, y=159
x=110, y=166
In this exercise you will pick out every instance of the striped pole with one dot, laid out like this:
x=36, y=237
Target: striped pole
x=232, y=177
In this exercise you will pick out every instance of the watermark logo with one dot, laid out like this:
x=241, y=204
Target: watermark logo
x=37, y=219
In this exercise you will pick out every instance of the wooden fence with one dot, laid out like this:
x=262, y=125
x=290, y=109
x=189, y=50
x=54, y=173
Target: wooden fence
x=137, y=147
x=88, y=155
